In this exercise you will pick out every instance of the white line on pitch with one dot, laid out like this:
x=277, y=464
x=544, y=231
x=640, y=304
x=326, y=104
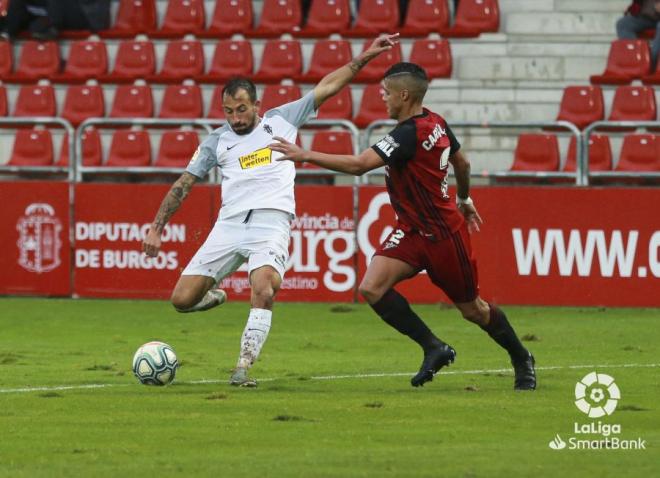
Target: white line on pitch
x=326, y=377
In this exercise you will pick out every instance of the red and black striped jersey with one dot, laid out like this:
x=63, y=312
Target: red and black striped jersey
x=416, y=154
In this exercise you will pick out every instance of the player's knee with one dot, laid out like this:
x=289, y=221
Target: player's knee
x=477, y=312
x=370, y=291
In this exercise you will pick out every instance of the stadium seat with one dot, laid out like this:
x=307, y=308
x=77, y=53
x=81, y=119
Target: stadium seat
x=276, y=95
x=183, y=59
x=82, y=102
x=280, y=59
x=278, y=17
x=132, y=101
x=5, y=59
x=632, y=103
x=134, y=59
x=181, y=17
x=333, y=142
x=37, y=60
x=375, y=69
x=372, y=106
x=581, y=105
x=176, y=148
x=182, y=101
x=339, y=106
x=230, y=17
x=133, y=17
x=640, y=153
x=231, y=58
x=86, y=60
x=129, y=148
x=325, y=18
x=600, y=154
x=35, y=100
x=474, y=17
x=4, y=109
x=434, y=56
x=628, y=60
x=327, y=56
x=92, y=154
x=424, y=17
x=215, y=110
x=536, y=152
x=32, y=147
x=652, y=79
x=374, y=17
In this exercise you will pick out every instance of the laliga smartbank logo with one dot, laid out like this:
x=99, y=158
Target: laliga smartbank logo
x=596, y=395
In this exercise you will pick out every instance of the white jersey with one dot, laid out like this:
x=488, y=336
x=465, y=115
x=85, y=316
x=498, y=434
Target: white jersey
x=251, y=176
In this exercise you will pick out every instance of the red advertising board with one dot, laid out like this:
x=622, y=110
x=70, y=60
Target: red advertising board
x=35, y=258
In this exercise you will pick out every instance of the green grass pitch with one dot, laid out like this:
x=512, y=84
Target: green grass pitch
x=334, y=398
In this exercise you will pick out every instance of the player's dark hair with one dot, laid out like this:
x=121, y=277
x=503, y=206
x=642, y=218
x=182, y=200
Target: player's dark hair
x=240, y=83
x=412, y=75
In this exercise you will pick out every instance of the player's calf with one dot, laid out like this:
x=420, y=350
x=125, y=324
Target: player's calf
x=212, y=298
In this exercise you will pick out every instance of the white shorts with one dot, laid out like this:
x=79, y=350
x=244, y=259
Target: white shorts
x=260, y=237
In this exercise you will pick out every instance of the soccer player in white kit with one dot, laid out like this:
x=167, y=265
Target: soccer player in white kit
x=258, y=203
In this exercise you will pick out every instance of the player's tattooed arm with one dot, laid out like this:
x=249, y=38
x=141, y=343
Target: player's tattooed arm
x=357, y=64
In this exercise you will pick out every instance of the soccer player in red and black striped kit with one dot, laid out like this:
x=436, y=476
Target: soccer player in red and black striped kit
x=432, y=232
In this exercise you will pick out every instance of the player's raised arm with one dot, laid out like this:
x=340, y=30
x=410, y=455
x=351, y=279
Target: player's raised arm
x=171, y=203
x=335, y=81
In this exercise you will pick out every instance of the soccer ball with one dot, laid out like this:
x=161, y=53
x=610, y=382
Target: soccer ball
x=155, y=363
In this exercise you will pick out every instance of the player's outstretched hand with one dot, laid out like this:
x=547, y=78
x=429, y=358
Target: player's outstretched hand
x=471, y=216
x=151, y=243
x=382, y=43
x=290, y=151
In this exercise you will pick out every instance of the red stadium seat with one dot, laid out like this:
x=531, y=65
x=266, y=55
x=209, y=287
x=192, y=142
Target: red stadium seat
x=183, y=59
x=651, y=79
x=32, y=147
x=216, y=111
x=326, y=17
x=600, y=154
x=434, y=56
x=327, y=56
x=372, y=106
x=86, y=60
x=230, y=17
x=231, y=58
x=132, y=101
x=424, y=17
x=339, y=106
x=374, y=17
x=4, y=109
x=35, y=100
x=176, y=148
x=582, y=105
x=333, y=142
x=133, y=17
x=632, y=103
x=5, y=60
x=181, y=17
x=134, y=59
x=278, y=17
x=277, y=95
x=640, y=153
x=628, y=60
x=536, y=152
x=182, y=101
x=91, y=149
x=129, y=148
x=280, y=59
x=37, y=60
x=474, y=17
x=82, y=102
x=375, y=69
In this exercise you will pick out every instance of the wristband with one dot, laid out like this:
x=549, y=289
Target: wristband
x=467, y=201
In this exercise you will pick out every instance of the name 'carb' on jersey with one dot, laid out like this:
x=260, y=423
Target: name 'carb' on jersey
x=438, y=132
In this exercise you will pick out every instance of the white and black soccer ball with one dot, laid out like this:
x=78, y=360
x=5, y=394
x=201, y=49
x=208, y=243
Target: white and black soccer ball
x=155, y=363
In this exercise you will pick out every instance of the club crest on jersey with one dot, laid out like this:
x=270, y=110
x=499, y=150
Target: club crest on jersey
x=438, y=132
x=268, y=129
x=260, y=157
x=387, y=145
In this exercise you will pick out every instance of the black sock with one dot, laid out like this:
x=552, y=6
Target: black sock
x=500, y=331
x=394, y=309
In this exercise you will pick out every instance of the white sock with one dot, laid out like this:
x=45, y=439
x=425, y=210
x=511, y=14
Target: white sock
x=254, y=336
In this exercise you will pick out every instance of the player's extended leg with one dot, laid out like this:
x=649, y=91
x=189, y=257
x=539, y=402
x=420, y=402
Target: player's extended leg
x=495, y=323
x=265, y=282
x=194, y=293
x=382, y=275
